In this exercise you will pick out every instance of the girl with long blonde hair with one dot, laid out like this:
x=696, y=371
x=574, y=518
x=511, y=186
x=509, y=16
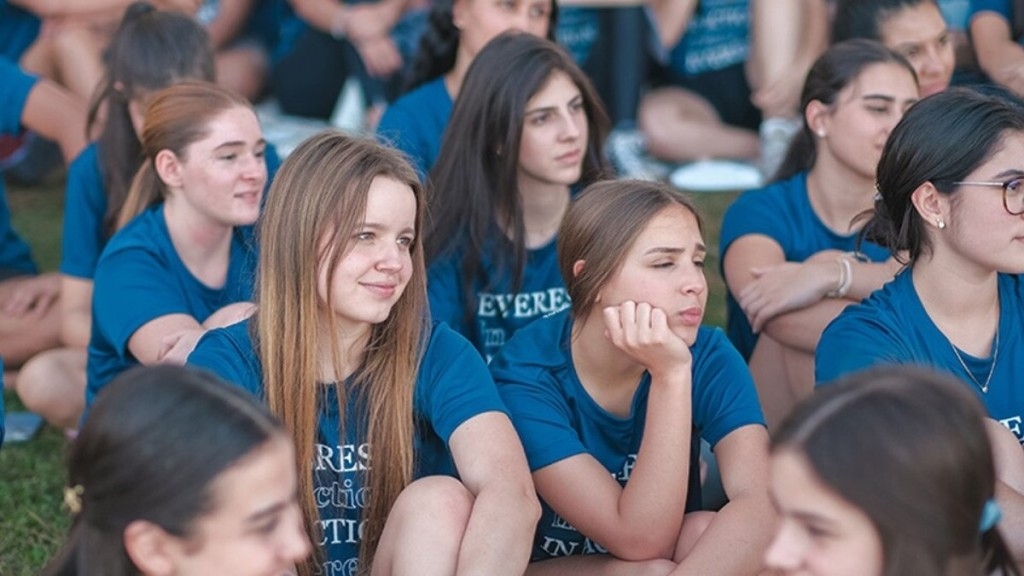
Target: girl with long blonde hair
x=375, y=397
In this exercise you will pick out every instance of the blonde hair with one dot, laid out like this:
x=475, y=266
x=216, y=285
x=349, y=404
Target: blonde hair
x=317, y=202
x=179, y=116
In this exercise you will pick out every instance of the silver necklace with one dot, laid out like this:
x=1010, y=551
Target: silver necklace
x=991, y=369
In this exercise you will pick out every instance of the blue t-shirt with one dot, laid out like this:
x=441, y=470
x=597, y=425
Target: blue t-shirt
x=415, y=124
x=577, y=32
x=893, y=327
x=716, y=38
x=1002, y=7
x=557, y=419
x=498, y=311
x=452, y=386
x=15, y=85
x=781, y=211
x=140, y=277
x=18, y=30
x=85, y=207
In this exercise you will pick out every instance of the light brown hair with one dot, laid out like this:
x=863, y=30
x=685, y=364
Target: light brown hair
x=316, y=204
x=178, y=117
x=599, y=228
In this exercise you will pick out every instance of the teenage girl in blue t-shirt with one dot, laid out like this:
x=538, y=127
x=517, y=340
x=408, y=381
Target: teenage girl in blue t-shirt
x=151, y=50
x=457, y=30
x=611, y=396
x=375, y=397
x=529, y=127
x=181, y=261
x=791, y=257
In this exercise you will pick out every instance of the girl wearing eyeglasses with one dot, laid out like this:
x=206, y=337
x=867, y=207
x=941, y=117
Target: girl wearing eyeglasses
x=951, y=198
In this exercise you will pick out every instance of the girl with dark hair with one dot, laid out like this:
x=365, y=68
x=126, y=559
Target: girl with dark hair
x=790, y=254
x=888, y=473
x=914, y=29
x=528, y=128
x=951, y=199
x=457, y=30
x=150, y=500
x=182, y=259
x=151, y=50
x=615, y=394
x=341, y=350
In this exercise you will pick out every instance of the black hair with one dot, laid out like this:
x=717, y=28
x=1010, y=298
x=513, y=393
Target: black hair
x=941, y=139
x=439, y=44
x=476, y=175
x=864, y=18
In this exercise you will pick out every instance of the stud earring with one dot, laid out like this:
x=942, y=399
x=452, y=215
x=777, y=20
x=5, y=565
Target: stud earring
x=940, y=223
x=820, y=133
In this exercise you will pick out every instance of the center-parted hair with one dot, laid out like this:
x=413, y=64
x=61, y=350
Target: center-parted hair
x=833, y=71
x=155, y=442
x=150, y=50
x=315, y=205
x=941, y=139
x=178, y=117
x=908, y=447
x=475, y=180
x=600, y=227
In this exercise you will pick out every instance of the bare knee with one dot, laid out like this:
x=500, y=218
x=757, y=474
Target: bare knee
x=52, y=384
x=424, y=530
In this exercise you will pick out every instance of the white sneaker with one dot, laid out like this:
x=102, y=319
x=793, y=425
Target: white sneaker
x=628, y=154
x=776, y=133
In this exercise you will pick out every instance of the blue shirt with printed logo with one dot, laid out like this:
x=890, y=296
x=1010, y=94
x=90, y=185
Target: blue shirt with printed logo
x=498, y=311
x=452, y=386
x=716, y=38
x=556, y=418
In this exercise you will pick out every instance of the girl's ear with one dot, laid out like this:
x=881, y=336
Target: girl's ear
x=151, y=548
x=458, y=14
x=577, y=267
x=818, y=117
x=168, y=168
x=932, y=205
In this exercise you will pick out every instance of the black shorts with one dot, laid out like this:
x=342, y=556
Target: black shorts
x=726, y=89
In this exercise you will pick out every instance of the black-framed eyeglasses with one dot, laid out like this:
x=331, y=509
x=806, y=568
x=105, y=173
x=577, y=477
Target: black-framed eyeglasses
x=1013, y=192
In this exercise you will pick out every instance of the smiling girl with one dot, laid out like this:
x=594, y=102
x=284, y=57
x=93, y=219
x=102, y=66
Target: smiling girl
x=527, y=130
x=181, y=262
x=615, y=394
x=384, y=408
x=788, y=250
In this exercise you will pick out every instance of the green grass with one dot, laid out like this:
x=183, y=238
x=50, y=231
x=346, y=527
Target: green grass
x=32, y=518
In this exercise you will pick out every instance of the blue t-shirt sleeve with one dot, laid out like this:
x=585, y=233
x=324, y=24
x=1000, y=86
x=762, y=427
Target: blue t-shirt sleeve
x=85, y=206
x=444, y=293
x=724, y=397
x=752, y=213
x=1002, y=7
x=132, y=287
x=454, y=384
x=15, y=87
x=400, y=129
x=229, y=358
x=853, y=341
